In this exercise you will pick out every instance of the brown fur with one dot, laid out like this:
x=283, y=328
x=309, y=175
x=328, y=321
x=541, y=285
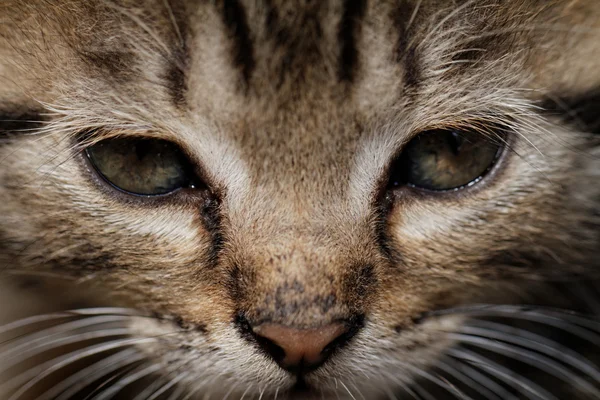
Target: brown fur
x=293, y=112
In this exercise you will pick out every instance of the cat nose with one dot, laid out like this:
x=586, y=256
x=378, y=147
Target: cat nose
x=300, y=350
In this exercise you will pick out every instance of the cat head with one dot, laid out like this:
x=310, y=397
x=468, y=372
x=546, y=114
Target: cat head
x=291, y=193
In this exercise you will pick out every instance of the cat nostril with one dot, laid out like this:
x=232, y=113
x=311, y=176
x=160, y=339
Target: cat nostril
x=300, y=350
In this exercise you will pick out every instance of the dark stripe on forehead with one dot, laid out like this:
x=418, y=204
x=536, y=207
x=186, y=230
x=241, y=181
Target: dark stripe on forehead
x=235, y=20
x=176, y=76
x=102, y=49
x=116, y=66
x=582, y=110
x=348, y=33
x=404, y=21
x=177, y=68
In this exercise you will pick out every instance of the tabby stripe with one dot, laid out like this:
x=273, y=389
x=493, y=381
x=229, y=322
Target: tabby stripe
x=582, y=110
x=406, y=54
x=354, y=10
x=116, y=66
x=15, y=122
x=235, y=20
x=177, y=69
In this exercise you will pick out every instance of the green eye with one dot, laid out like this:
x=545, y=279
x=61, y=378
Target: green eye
x=445, y=159
x=142, y=166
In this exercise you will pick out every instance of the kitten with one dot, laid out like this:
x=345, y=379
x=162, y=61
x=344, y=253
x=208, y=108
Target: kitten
x=299, y=199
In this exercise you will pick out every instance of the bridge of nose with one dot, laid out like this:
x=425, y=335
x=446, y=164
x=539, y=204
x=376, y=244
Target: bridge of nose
x=295, y=264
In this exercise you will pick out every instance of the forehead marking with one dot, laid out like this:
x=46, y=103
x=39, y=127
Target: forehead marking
x=17, y=121
x=404, y=21
x=349, y=28
x=235, y=19
x=178, y=64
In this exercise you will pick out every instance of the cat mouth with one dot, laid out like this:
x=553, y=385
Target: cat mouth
x=301, y=389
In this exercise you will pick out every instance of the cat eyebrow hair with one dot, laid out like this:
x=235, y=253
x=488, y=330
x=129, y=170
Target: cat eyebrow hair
x=235, y=20
x=581, y=110
x=349, y=26
x=17, y=120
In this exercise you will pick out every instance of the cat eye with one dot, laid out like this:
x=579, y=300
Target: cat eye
x=142, y=166
x=441, y=160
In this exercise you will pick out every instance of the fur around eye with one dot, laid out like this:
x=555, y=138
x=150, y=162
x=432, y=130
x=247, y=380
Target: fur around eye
x=442, y=160
x=142, y=166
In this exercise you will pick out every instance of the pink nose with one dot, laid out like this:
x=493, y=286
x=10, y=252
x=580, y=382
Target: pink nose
x=298, y=349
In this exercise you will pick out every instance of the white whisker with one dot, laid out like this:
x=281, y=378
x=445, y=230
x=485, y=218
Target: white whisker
x=32, y=376
x=528, y=357
x=479, y=382
x=535, y=342
x=69, y=314
x=525, y=386
x=28, y=341
x=70, y=386
x=65, y=340
x=347, y=390
x=138, y=374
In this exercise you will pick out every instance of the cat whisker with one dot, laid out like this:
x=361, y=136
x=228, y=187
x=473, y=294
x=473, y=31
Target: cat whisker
x=177, y=393
x=353, y=384
x=162, y=389
x=261, y=393
x=390, y=394
x=526, y=312
x=436, y=380
x=199, y=386
x=127, y=380
x=151, y=388
x=82, y=312
x=233, y=387
x=401, y=383
x=476, y=384
x=32, y=320
x=520, y=383
x=51, y=345
x=69, y=387
x=28, y=340
x=534, y=342
x=558, y=323
x=533, y=359
x=246, y=392
x=421, y=393
x=347, y=390
x=322, y=392
x=106, y=384
x=28, y=379
x=337, y=394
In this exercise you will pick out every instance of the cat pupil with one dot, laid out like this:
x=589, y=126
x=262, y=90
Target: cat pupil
x=142, y=148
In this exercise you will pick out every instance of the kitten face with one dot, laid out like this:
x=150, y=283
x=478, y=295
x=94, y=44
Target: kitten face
x=291, y=116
